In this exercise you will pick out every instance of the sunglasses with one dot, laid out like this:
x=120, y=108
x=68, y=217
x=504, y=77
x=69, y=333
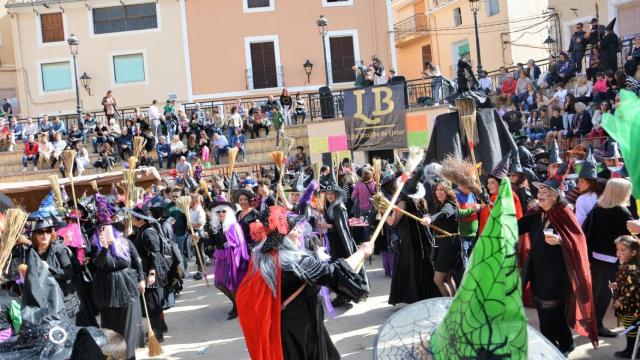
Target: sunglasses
x=43, y=231
x=221, y=212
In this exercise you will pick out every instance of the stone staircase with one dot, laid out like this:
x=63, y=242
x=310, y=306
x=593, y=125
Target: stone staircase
x=257, y=153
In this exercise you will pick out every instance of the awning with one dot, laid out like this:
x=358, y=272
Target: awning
x=29, y=194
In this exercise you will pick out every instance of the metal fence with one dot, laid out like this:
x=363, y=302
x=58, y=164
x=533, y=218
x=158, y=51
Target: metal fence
x=414, y=25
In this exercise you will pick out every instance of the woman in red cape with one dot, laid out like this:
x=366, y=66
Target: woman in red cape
x=558, y=268
x=278, y=302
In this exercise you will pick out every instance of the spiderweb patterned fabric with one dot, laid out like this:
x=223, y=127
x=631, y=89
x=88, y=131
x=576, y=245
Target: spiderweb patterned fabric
x=486, y=318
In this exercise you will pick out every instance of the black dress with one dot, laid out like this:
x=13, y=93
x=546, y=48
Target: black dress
x=59, y=261
x=244, y=222
x=117, y=295
x=550, y=286
x=412, y=278
x=302, y=329
x=449, y=250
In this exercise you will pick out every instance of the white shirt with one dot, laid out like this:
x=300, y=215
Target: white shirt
x=177, y=147
x=584, y=205
x=153, y=113
x=197, y=216
x=561, y=95
x=236, y=120
x=486, y=83
x=435, y=72
x=31, y=129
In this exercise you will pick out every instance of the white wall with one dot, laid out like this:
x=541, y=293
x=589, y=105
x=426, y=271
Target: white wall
x=527, y=44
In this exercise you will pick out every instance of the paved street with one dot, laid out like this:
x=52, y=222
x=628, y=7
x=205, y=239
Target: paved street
x=198, y=328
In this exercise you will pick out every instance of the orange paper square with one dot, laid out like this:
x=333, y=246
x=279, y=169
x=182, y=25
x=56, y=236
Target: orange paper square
x=417, y=122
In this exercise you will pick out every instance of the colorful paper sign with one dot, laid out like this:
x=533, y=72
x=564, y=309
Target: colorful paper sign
x=338, y=143
x=318, y=145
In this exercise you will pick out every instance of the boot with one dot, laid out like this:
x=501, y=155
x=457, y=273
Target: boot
x=628, y=351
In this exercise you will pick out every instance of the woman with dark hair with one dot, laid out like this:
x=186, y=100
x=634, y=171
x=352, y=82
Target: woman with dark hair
x=413, y=272
x=449, y=250
x=286, y=102
x=606, y=222
x=193, y=148
x=118, y=280
x=588, y=188
x=109, y=105
x=558, y=267
x=568, y=115
x=246, y=215
x=596, y=120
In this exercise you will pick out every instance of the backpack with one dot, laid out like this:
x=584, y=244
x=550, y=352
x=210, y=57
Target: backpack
x=171, y=257
x=165, y=261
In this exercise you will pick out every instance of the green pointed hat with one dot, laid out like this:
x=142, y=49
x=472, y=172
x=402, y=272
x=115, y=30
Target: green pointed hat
x=487, y=314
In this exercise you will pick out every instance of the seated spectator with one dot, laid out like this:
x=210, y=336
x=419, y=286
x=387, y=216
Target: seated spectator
x=113, y=132
x=6, y=136
x=46, y=149
x=508, y=89
x=564, y=72
x=514, y=121
x=87, y=125
x=538, y=129
x=198, y=169
x=248, y=182
x=30, y=128
x=485, y=83
x=541, y=100
x=568, y=115
x=533, y=71
x=58, y=126
x=16, y=130
x=634, y=54
x=270, y=105
x=596, y=120
x=131, y=128
x=100, y=137
x=260, y=121
x=556, y=127
x=559, y=96
x=46, y=127
x=521, y=88
x=125, y=142
x=300, y=109
x=145, y=159
x=177, y=150
x=193, y=148
x=239, y=140
x=600, y=88
x=594, y=64
x=106, y=159
x=581, y=124
x=59, y=146
x=75, y=136
x=583, y=90
x=627, y=77
x=31, y=153
x=163, y=149
x=82, y=159
x=529, y=99
x=502, y=77
x=185, y=173
x=220, y=146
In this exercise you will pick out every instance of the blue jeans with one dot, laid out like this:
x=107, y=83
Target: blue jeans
x=161, y=160
x=97, y=141
x=437, y=88
x=34, y=158
x=181, y=240
x=231, y=130
x=217, y=152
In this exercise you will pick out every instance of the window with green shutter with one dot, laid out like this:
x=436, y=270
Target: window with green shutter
x=128, y=68
x=56, y=76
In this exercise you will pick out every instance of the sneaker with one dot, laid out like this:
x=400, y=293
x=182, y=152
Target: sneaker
x=197, y=276
x=35, y=168
x=24, y=169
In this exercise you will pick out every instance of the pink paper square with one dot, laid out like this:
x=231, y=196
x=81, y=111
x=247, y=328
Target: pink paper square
x=338, y=143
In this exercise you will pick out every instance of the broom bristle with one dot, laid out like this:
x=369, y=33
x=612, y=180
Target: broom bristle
x=68, y=156
x=277, y=157
x=132, y=162
x=94, y=185
x=316, y=170
x=233, y=153
x=138, y=144
x=57, y=195
x=153, y=345
x=14, y=225
x=377, y=170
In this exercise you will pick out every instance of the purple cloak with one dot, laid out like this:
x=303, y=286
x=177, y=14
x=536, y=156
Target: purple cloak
x=231, y=263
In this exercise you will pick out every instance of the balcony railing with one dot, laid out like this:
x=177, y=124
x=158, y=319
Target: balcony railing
x=414, y=26
x=264, y=77
x=439, y=3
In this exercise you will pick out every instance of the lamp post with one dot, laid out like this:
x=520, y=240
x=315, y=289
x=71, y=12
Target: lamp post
x=322, y=23
x=308, y=67
x=73, y=47
x=475, y=7
x=549, y=43
x=85, y=80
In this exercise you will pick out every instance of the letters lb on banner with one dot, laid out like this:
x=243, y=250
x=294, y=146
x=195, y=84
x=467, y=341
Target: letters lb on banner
x=374, y=118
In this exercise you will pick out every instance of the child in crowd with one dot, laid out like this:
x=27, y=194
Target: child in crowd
x=555, y=125
x=627, y=289
x=600, y=88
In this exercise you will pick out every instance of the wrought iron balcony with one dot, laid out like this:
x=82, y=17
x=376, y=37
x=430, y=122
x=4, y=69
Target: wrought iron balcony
x=265, y=77
x=411, y=28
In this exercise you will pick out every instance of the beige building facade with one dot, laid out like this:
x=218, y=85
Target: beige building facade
x=135, y=49
x=8, y=79
x=246, y=48
x=443, y=31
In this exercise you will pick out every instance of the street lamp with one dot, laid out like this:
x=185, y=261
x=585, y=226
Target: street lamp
x=73, y=47
x=322, y=23
x=85, y=80
x=308, y=67
x=475, y=7
x=549, y=43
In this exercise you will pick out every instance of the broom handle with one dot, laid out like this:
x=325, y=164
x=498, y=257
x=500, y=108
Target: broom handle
x=146, y=310
x=437, y=229
x=75, y=202
x=206, y=280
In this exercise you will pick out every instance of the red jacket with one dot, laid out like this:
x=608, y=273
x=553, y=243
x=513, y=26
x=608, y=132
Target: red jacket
x=31, y=148
x=509, y=87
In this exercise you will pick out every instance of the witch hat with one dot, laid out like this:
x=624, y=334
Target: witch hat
x=611, y=25
x=612, y=151
x=502, y=169
x=413, y=188
x=589, y=167
x=85, y=347
x=556, y=181
x=515, y=167
x=554, y=153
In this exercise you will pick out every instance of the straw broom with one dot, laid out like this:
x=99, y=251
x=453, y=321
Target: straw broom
x=316, y=170
x=377, y=172
x=94, y=186
x=467, y=119
x=415, y=158
x=380, y=202
x=153, y=344
x=57, y=195
x=14, y=225
x=184, y=203
x=138, y=144
x=279, y=160
x=233, y=154
x=205, y=188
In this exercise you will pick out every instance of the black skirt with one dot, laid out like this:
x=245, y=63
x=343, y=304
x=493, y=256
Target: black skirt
x=127, y=321
x=448, y=254
x=115, y=289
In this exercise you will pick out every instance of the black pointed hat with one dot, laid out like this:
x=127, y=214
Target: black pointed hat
x=612, y=151
x=555, y=182
x=502, y=169
x=589, y=167
x=611, y=25
x=554, y=153
x=515, y=167
x=413, y=188
x=85, y=347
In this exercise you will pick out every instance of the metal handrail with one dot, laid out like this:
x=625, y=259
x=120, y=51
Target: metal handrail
x=417, y=24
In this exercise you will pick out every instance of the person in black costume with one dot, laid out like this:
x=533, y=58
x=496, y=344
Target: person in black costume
x=336, y=223
x=118, y=280
x=449, y=250
x=609, y=47
x=148, y=243
x=289, y=280
x=246, y=215
x=413, y=271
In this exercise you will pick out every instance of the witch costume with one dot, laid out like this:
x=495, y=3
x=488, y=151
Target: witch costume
x=412, y=278
x=279, y=304
x=559, y=275
x=118, y=269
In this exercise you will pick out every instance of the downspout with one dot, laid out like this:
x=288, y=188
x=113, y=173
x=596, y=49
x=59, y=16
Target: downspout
x=392, y=38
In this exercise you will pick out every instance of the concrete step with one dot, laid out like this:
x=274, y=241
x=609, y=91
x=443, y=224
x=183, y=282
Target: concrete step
x=44, y=174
